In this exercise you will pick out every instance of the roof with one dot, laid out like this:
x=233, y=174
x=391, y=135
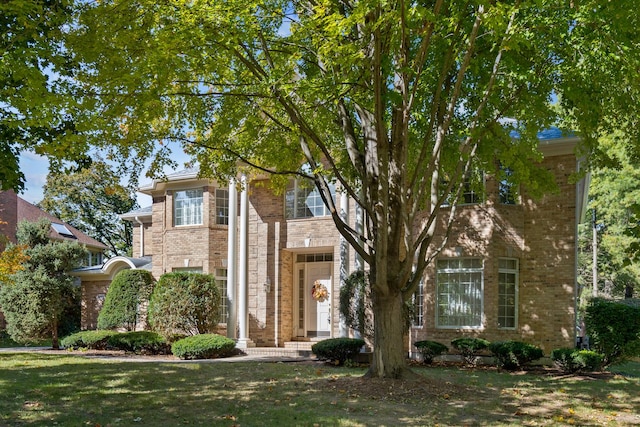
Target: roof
x=181, y=175
x=142, y=212
x=113, y=265
x=60, y=230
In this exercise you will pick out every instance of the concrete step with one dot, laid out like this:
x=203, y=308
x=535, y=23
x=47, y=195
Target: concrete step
x=301, y=352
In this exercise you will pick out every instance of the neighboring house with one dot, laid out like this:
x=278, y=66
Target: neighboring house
x=507, y=272
x=14, y=209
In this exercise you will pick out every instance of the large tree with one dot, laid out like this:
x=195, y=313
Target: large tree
x=91, y=199
x=398, y=102
x=37, y=298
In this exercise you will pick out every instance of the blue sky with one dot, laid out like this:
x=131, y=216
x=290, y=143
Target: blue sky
x=36, y=168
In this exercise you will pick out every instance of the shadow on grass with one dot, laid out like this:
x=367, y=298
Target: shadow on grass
x=69, y=390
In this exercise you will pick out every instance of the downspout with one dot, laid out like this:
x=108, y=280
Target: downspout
x=141, y=236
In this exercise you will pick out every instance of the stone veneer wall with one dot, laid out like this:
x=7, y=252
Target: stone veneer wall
x=90, y=305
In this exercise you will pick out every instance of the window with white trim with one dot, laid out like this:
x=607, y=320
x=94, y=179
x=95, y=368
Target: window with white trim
x=221, y=281
x=187, y=207
x=507, y=190
x=460, y=284
x=507, y=293
x=222, y=206
x=303, y=200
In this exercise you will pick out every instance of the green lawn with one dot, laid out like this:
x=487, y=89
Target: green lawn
x=69, y=390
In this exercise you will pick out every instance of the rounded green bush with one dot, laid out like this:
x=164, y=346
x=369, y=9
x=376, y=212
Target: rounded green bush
x=128, y=292
x=95, y=340
x=614, y=330
x=512, y=355
x=430, y=349
x=572, y=360
x=203, y=346
x=185, y=303
x=139, y=342
x=337, y=349
x=469, y=347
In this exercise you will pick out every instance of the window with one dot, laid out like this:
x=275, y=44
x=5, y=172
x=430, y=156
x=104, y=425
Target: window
x=94, y=258
x=303, y=200
x=222, y=206
x=221, y=280
x=471, y=191
x=460, y=293
x=507, y=292
x=418, y=305
x=507, y=190
x=188, y=207
x=62, y=230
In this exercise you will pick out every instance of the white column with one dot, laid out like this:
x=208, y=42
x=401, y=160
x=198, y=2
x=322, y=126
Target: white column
x=232, y=260
x=243, y=270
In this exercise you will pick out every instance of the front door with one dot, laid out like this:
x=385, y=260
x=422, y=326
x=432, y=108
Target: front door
x=318, y=310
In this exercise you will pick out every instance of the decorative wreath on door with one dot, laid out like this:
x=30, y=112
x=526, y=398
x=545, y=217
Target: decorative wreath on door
x=319, y=291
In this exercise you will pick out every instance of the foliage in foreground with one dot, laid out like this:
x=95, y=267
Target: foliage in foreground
x=203, y=346
x=613, y=329
x=355, y=304
x=126, y=300
x=513, y=355
x=337, y=350
x=430, y=349
x=185, y=303
x=572, y=360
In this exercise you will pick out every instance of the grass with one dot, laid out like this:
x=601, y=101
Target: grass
x=68, y=390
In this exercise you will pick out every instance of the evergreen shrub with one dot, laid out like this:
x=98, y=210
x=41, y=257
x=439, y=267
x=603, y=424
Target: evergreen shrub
x=139, y=342
x=613, y=329
x=469, y=348
x=430, y=349
x=337, y=350
x=572, y=360
x=204, y=346
x=128, y=292
x=185, y=303
x=512, y=355
x=95, y=340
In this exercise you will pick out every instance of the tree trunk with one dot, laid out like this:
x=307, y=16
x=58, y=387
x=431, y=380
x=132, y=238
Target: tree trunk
x=389, y=357
x=55, y=342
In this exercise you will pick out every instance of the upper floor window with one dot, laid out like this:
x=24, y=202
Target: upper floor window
x=222, y=206
x=187, y=207
x=471, y=190
x=459, y=293
x=303, y=200
x=507, y=190
x=94, y=258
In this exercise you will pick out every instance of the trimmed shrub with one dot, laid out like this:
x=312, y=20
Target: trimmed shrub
x=430, y=349
x=128, y=293
x=571, y=360
x=95, y=340
x=185, y=303
x=512, y=355
x=469, y=347
x=614, y=330
x=337, y=350
x=203, y=346
x=139, y=342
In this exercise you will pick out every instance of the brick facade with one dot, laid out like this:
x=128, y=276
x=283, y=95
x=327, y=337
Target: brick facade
x=539, y=234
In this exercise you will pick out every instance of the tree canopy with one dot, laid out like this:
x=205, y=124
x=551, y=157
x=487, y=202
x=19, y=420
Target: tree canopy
x=398, y=102
x=91, y=199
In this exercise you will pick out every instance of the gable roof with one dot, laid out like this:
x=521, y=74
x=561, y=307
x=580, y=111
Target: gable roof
x=60, y=230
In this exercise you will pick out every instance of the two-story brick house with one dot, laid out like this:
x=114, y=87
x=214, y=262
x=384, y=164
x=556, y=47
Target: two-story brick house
x=507, y=272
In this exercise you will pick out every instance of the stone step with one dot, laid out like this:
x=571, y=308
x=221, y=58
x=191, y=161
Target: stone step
x=301, y=352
